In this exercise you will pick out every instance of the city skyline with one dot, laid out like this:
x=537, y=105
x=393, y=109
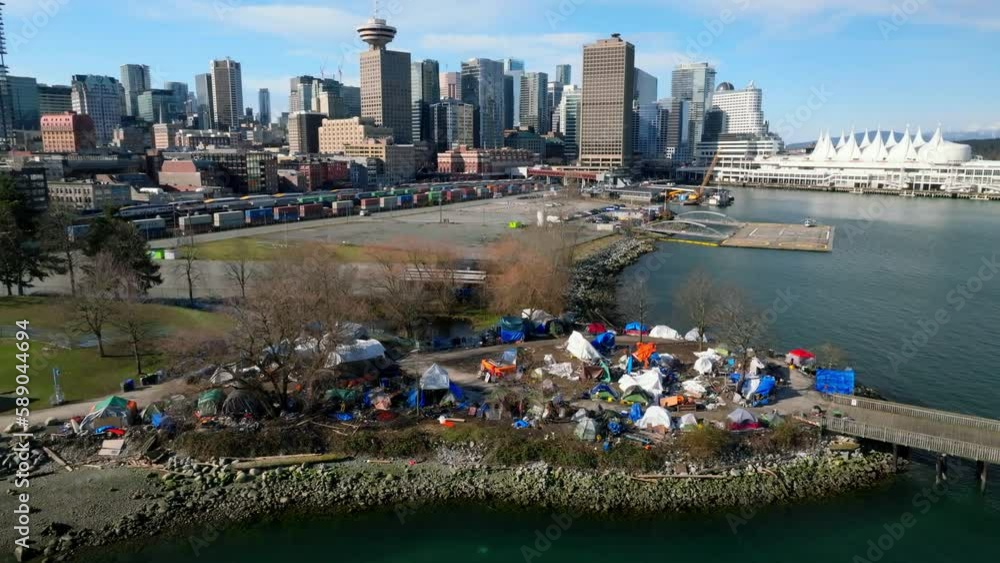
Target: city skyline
x=790, y=52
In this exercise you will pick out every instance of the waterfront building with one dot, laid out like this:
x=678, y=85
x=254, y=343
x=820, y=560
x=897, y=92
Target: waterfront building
x=264, y=106
x=135, y=80
x=453, y=124
x=68, y=133
x=425, y=90
x=54, y=99
x=606, y=111
x=741, y=109
x=336, y=134
x=564, y=74
x=694, y=82
x=204, y=106
x=385, y=81
x=482, y=86
x=100, y=97
x=534, y=106
x=227, y=93
x=451, y=85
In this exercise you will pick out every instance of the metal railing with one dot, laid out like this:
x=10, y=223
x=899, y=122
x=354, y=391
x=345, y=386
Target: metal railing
x=957, y=448
x=917, y=412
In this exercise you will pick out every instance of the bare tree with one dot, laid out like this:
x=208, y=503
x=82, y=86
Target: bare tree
x=56, y=238
x=94, y=307
x=532, y=270
x=830, y=355
x=188, y=251
x=413, y=287
x=239, y=272
x=698, y=299
x=637, y=304
x=132, y=318
x=740, y=324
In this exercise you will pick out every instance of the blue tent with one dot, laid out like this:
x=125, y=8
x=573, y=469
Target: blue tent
x=636, y=327
x=604, y=343
x=603, y=392
x=514, y=329
x=635, y=413
x=834, y=381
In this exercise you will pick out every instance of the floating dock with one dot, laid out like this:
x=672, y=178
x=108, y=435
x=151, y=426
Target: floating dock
x=782, y=236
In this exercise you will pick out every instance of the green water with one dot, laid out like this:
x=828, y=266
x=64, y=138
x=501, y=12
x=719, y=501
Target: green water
x=894, y=264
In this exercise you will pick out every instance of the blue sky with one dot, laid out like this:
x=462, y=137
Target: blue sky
x=822, y=63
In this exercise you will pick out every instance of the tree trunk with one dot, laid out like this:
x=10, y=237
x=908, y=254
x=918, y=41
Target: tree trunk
x=100, y=342
x=190, y=289
x=72, y=273
x=138, y=357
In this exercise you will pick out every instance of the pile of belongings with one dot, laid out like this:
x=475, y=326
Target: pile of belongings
x=593, y=373
x=210, y=403
x=800, y=358
x=664, y=332
x=551, y=367
x=114, y=412
x=636, y=329
x=706, y=361
x=772, y=419
x=514, y=329
x=604, y=342
x=650, y=381
x=695, y=335
x=586, y=429
x=578, y=347
x=688, y=422
x=694, y=388
x=346, y=398
x=243, y=404
x=742, y=419
x=655, y=419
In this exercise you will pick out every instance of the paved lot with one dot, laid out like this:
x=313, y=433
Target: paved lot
x=783, y=237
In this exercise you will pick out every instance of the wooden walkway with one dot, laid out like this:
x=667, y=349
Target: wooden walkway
x=969, y=437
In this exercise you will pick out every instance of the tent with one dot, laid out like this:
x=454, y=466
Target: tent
x=537, y=317
x=636, y=394
x=650, y=381
x=756, y=366
x=742, y=419
x=586, y=430
x=150, y=411
x=435, y=378
x=241, y=403
x=635, y=329
x=758, y=391
x=695, y=335
x=580, y=349
x=210, y=402
x=704, y=365
x=656, y=419
x=221, y=376
x=514, y=329
x=800, y=357
x=603, y=392
x=694, y=389
x=113, y=411
x=604, y=343
x=357, y=351
x=345, y=396
x=664, y=332
x=687, y=421
x=643, y=351
x=591, y=373
x=772, y=419
x=596, y=328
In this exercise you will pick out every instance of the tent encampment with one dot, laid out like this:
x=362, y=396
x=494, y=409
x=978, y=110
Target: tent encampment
x=210, y=402
x=664, y=332
x=113, y=411
x=688, y=421
x=435, y=378
x=742, y=419
x=357, y=351
x=636, y=329
x=800, y=357
x=242, y=403
x=695, y=335
x=579, y=348
x=656, y=419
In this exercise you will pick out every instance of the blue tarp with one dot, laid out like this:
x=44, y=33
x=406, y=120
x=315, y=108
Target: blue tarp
x=603, y=388
x=637, y=327
x=834, y=381
x=635, y=413
x=604, y=343
x=508, y=336
x=456, y=392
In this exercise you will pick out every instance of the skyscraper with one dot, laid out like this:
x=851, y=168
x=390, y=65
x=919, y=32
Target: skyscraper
x=513, y=64
x=352, y=100
x=517, y=76
x=651, y=121
x=425, y=90
x=742, y=109
x=564, y=74
x=569, y=120
x=555, y=90
x=645, y=87
x=385, y=81
x=694, y=82
x=534, y=108
x=180, y=90
x=264, y=105
x=509, y=111
x=606, y=113
x=482, y=86
x=300, y=94
x=227, y=93
x=451, y=85
x=24, y=102
x=203, y=100
x=135, y=81
x=7, y=137
x=100, y=97
x=678, y=143
x=54, y=99
x=452, y=124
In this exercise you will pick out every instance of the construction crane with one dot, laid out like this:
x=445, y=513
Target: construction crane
x=695, y=198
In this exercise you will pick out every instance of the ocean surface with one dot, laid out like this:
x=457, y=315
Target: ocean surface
x=897, y=264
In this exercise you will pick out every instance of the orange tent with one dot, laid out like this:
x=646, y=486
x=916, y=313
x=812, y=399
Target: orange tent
x=643, y=351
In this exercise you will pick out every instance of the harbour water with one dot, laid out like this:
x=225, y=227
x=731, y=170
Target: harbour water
x=896, y=263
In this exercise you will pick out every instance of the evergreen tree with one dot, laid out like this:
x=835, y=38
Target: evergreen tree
x=23, y=259
x=126, y=246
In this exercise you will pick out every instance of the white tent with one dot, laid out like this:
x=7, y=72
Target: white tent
x=358, y=351
x=688, y=420
x=694, y=335
x=692, y=387
x=664, y=332
x=537, y=316
x=435, y=378
x=650, y=381
x=221, y=375
x=581, y=349
x=756, y=366
x=741, y=416
x=655, y=417
x=704, y=365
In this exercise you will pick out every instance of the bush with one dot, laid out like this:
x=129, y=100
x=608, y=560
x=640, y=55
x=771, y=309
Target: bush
x=706, y=443
x=406, y=443
x=268, y=441
x=791, y=435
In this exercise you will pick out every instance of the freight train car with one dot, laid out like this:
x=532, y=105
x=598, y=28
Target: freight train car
x=193, y=224
x=259, y=216
x=225, y=220
x=311, y=211
x=151, y=228
x=286, y=213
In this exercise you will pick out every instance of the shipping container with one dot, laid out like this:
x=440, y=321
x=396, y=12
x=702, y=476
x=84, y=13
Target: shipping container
x=229, y=219
x=389, y=202
x=76, y=233
x=259, y=216
x=311, y=211
x=286, y=213
x=406, y=200
x=343, y=208
x=370, y=204
x=151, y=228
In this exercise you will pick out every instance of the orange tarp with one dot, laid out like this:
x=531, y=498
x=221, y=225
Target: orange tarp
x=643, y=351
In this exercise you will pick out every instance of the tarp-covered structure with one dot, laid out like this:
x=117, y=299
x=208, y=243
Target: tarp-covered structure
x=578, y=347
x=636, y=329
x=695, y=335
x=586, y=430
x=835, y=381
x=604, y=342
x=112, y=411
x=210, y=402
x=664, y=332
x=596, y=328
x=758, y=391
x=241, y=403
x=800, y=357
x=687, y=421
x=655, y=418
x=514, y=329
x=357, y=351
x=650, y=380
x=435, y=378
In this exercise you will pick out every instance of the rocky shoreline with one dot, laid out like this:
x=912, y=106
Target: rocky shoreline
x=219, y=496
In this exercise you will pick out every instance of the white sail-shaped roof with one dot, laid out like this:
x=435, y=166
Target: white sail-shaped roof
x=824, y=148
x=918, y=140
x=850, y=151
x=904, y=151
x=865, y=142
x=939, y=151
x=891, y=141
x=842, y=141
x=875, y=151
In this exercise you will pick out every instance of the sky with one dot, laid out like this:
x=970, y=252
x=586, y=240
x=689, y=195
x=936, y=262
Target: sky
x=822, y=64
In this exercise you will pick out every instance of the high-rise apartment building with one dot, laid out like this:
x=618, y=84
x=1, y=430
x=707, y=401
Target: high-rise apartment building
x=513, y=65
x=534, y=108
x=651, y=122
x=554, y=96
x=510, y=113
x=741, y=108
x=453, y=124
x=606, y=113
x=303, y=132
x=564, y=74
x=385, y=81
x=24, y=102
x=227, y=93
x=264, y=106
x=694, y=82
x=569, y=121
x=645, y=87
x=451, y=85
x=336, y=134
x=425, y=90
x=135, y=81
x=514, y=109
x=678, y=144
x=482, y=86
x=100, y=97
x=157, y=106
x=204, y=106
x=54, y=99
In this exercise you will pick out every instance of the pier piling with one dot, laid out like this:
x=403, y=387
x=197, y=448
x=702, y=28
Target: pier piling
x=942, y=469
x=982, y=469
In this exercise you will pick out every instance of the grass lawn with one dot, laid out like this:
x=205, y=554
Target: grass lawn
x=259, y=250
x=51, y=314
